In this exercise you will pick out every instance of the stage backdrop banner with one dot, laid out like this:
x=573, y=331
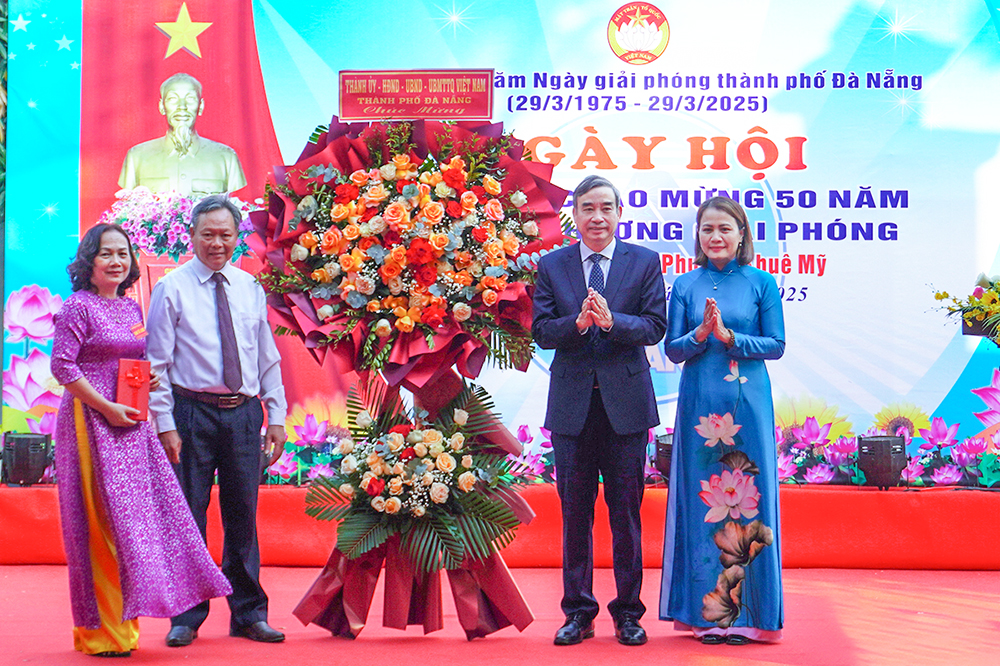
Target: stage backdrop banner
x=861, y=137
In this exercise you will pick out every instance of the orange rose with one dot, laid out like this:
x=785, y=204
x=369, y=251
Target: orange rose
x=491, y=185
x=308, y=240
x=439, y=241
x=400, y=312
x=493, y=249
x=510, y=245
x=352, y=262
x=413, y=314
x=404, y=324
x=463, y=278
x=374, y=306
x=501, y=284
x=490, y=298
x=375, y=195
x=433, y=213
x=463, y=259
x=398, y=254
x=494, y=210
x=396, y=216
x=432, y=178
x=456, y=163
x=401, y=162
x=333, y=242
x=352, y=232
x=320, y=275
x=359, y=177
x=389, y=270
x=469, y=201
x=339, y=212
x=366, y=243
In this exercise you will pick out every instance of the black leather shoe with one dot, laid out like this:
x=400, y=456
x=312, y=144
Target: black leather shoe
x=629, y=632
x=180, y=636
x=576, y=628
x=126, y=653
x=260, y=632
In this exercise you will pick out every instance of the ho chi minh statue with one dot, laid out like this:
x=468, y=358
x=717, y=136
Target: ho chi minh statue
x=182, y=160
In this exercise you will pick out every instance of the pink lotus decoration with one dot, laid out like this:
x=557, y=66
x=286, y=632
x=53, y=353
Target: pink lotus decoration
x=732, y=494
x=819, y=474
x=320, y=470
x=786, y=466
x=717, y=428
x=947, y=475
x=310, y=433
x=45, y=426
x=991, y=396
x=29, y=383
x=28, y=315
x=286, y=465
x=734, y=373
x=968, y=453
x=842, y=451
x=811, y=434
x=912, y=471
x=939, y=434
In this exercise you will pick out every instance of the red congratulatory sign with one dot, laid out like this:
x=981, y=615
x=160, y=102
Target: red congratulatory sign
x=427, y=94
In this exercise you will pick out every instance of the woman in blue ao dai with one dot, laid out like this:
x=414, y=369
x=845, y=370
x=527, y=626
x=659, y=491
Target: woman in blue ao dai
x=721, y=559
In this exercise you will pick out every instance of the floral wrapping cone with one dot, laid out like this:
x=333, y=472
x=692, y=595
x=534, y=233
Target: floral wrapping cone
x=341, y=596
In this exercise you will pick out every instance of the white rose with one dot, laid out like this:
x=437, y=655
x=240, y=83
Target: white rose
x=347, y=489
x=415, y=436
x=383, y=328
x=436, y=450
x=378, y=503
x=299, y=253
x=349, y=465
x=364, y=419
x=388, y=172
x=530, y=228
x=518, y=199
x=345, y=446
x=324, y=312
x=366, y=229
x=443, y=191
x=395, y=441
x=377, y=224
x=333, y=268
x=461, y=417
x=439, y=493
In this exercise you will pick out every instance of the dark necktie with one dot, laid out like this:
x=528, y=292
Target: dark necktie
x=232, y=372
x=596, y=281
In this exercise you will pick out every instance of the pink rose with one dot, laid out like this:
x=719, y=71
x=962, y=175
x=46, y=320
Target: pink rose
x=29, y=313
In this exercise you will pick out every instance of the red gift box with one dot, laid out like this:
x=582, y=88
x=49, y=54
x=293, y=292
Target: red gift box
x=133, y=386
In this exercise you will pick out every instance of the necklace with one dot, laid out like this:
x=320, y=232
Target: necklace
x=715, y=285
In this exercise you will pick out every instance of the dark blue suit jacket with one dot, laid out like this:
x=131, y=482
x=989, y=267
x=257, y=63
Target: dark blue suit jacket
x=616, y=360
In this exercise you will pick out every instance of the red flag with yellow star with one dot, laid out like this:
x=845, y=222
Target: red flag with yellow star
x=129, y=49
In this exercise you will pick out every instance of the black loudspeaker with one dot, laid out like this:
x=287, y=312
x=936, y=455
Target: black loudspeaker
x=882, y=459
x=664, y=449
x=25, y=457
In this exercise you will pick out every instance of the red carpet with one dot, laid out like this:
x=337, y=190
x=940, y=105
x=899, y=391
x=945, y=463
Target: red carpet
x=833, y=618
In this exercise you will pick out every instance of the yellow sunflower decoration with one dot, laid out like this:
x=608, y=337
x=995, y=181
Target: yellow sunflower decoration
x=790, y=414
x=898, y=415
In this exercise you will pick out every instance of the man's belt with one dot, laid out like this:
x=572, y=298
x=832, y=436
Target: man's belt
x=220, y=400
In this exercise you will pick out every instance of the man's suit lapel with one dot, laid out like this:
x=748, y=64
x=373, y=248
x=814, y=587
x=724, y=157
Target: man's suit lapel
x=573, y=266
x=620, y=267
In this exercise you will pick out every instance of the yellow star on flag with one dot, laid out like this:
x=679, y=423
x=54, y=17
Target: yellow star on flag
x=183, y=33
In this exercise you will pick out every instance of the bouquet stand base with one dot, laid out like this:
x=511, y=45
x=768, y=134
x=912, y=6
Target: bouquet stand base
x=486, y=597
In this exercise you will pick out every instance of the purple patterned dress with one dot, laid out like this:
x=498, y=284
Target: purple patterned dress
x=163, y=564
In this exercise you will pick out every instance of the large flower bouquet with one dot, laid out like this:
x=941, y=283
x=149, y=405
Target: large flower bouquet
x=436, y=485
x=980, y=310
x=160, y=222
x=408, y=247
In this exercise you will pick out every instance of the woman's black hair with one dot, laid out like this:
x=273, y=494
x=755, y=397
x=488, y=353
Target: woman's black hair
x=82, y=269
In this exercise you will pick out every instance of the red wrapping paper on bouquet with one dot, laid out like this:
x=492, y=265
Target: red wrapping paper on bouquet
x=411, y=596
x=340, y=598
x=487, y=598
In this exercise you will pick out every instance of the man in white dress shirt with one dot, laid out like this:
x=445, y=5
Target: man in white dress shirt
x=213, y=349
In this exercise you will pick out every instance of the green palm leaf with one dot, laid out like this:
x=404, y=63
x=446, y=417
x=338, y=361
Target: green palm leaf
x=324, y=501
x=433, y=543
x=486, y=525
x=361, y=532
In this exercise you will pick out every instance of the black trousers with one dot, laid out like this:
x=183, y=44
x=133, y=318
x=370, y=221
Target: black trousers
x=227, y=440
x=598, y=452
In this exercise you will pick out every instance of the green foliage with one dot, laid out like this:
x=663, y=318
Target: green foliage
x=361, y=532
x=989, y=466
x=324, y=501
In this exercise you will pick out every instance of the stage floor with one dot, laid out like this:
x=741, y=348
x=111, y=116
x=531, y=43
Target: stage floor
x=833, y=617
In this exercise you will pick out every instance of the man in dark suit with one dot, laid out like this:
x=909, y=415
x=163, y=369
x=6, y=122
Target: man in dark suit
x=599, y=303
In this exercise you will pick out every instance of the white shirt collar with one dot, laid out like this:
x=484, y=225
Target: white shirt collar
x=608, y=252
x=204, y=273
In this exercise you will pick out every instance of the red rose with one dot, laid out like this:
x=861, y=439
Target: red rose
x=454, y=208
x=403, y=429
x=375, y=487
x=425, y=275
x=433, y=316
x=407, y=454
x=400, y=184
x=369, y=213
x=345, y=192
x=391, y=237
x=454, y=178
x=420, y=252
x=479, y=235
x=480, y=193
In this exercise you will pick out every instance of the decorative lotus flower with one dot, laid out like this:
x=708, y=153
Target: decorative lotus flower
x=939, y=434
x=29, y=382
x=45, y=426
x=786, y=466
x=286, y=465
x=991, y=396
x=320, y=470
x=734, y=373
x=311, y=433
x=819, y=474
x=732, y=494
x=842, y=451
x=968, y=453
x=912, y=471
x=811, y=434
x=715, y=428
x=740, y=544
x=28, y=315
x=947, y=475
